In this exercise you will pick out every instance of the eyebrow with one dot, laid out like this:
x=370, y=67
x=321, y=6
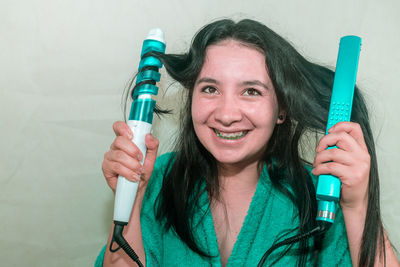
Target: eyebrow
x=245, y=83
x=207, y=80
x=256, y=82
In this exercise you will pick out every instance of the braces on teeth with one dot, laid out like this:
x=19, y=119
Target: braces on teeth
x=231, y=136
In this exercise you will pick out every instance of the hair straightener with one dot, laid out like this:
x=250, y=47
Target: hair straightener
x=328, y=187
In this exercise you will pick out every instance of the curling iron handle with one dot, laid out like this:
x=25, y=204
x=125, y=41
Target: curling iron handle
x=126, y=190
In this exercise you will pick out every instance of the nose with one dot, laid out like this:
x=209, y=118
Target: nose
x=228, y=110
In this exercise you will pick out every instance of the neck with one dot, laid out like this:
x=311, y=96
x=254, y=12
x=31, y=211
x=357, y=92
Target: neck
x=236, y=178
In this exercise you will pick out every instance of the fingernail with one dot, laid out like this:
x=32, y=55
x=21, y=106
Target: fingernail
x=141, y=170
x=136, y=177
x=139, y=157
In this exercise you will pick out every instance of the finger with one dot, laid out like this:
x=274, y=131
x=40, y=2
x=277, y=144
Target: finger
x=340, y=139
x=334, y=154
x=151, y=155
x=348, y=175
x=124, y=144
x=333, y=168
x=353, y=129
x=116, y=168
x=112, y=183
x=122, y=129
x=127, y=161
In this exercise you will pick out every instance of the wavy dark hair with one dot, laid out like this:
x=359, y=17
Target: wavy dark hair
x=303, y=90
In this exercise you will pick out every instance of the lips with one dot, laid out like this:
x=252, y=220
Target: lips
x=230, y=135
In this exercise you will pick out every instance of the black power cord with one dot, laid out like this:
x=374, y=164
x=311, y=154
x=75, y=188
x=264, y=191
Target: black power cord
x=321, y=228
x=122, y=243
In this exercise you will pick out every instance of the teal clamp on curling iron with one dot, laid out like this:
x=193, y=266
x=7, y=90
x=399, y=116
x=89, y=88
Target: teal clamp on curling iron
x=328, y=188
x=140, y=121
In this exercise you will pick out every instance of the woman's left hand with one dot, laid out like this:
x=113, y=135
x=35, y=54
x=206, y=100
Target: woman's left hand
x=350, y=162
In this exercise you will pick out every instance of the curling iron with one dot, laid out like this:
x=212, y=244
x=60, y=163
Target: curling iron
x=140, y=122
x=328, y=187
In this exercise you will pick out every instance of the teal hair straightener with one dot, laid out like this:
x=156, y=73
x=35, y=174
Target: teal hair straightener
x=328, y=188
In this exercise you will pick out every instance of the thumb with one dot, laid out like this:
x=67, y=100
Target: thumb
x=151, y=155
x=122, y=129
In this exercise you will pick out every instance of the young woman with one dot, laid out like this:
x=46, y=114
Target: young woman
x=236, y=182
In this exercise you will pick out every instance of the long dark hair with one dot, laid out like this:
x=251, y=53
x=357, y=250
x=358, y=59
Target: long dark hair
x=303, y=90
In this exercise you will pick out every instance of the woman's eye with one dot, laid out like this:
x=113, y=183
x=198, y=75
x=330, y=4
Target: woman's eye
x=209, y=90
x=252, y=92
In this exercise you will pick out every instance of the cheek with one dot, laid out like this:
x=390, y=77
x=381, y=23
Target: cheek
x=200, y=110
x=262, y=114
x=199, y=120
x=196, y=113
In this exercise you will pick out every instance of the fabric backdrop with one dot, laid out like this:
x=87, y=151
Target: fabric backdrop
x=64, y=66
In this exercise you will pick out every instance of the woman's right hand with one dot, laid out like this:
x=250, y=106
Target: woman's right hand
x=124, y=157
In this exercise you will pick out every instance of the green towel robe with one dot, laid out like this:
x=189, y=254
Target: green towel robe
x=270, y=213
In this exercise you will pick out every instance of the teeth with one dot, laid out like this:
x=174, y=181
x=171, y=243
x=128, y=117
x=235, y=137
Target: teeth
x=231, y=136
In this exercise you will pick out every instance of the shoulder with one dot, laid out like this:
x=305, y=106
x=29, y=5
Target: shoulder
x=161, y=167
x=152, y=228
x=335, y=247
x=285, y=185
x=163, y=162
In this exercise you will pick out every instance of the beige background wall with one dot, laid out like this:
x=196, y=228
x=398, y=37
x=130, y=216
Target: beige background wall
x=63, y=68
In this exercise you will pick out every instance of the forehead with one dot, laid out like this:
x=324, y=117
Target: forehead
x=234, y=59
x=231, y=45
x=233, y=42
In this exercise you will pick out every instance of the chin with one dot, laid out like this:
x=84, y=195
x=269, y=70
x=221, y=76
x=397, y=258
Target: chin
x=237, y=156
x=231, y=159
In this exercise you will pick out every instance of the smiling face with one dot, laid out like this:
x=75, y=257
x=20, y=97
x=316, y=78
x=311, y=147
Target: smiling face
x=234, y=105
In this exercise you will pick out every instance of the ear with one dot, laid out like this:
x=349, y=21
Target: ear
x=281, y=117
